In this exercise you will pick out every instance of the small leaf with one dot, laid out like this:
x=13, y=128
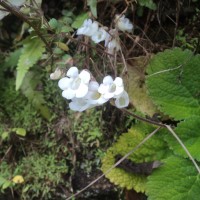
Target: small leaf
x=18, y=179
x=53, y=23
x=79, y=20
x=176, y=179
x=5, y=135
x=20, y=131
x=93, y=7
x=62, y=46
x=6, y=184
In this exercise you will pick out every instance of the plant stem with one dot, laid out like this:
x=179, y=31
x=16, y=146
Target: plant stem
x=183, y=146
x=16, y=12
x=117, y=163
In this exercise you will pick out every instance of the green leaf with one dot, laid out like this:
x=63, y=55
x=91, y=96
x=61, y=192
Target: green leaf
x=6, y=184
x=31, y=81
x=79, y=20
x=153, y=149
x=12, y=59
x=137, y=89
x=93, y=7
x=20, y=131
x=53, y=23
x=31, y=53
x=173, y=83
x=176, y=179
x=189, y=133
x=148, y=3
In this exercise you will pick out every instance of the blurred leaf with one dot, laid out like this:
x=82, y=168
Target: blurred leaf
x=53, y=23
x=20, y=131
x=62, y=46
x=79, y=20
x=93, y=7
x=6, y=184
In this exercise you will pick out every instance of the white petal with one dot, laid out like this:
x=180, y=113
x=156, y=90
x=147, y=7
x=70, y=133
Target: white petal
x=122, y=101
x=118, y=81
x=103, y=88
x=73, y=106
x=81, y=91
x=99, y=36
x=93, y=28
x=107, y=80
x=85, y=76
x=72, y=72
x=93, y=86
x=64, y=83
x=102, y=100
x=118, y=91
x=68, y=94
x=108, y=95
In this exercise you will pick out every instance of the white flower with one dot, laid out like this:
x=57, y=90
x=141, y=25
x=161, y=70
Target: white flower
x=123, y=23
x=111, y=89
x=122, y=101
x=88, y=28
x=113, y=45
x=99, y=36
x=75, y=85
x=79, y=104
x=93, y=96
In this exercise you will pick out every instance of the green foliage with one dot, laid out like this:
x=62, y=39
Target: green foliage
x=177, y=179
x=148, y=3
x=152, y=150
x=35, y=97
x=188, y=131
x=79, y=20
x=31, y=53
x=93, y=7
x=173, y=83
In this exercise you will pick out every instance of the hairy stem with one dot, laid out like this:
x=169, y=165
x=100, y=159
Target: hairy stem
x=183, y=146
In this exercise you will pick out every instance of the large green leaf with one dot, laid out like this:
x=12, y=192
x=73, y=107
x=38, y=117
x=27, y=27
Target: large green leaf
x=177, y=179
x=153, y=149
x=189, y=133
x=173, y=83
x=31, y=53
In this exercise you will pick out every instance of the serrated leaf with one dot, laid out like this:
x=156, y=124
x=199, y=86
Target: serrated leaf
x=189, y=133
x=176, y=179
x=153, y=149
x=79, y=20
x=31, y=53
x=173, y=83
x=93, y=7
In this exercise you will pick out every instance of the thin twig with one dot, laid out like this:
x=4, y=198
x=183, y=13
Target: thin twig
x=183, y=146
x=117, y=163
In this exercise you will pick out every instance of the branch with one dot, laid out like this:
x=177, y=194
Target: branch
x=18, y=14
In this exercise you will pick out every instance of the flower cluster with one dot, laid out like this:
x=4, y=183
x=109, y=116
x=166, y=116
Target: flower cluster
x=84, y=92
x=98, y=34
